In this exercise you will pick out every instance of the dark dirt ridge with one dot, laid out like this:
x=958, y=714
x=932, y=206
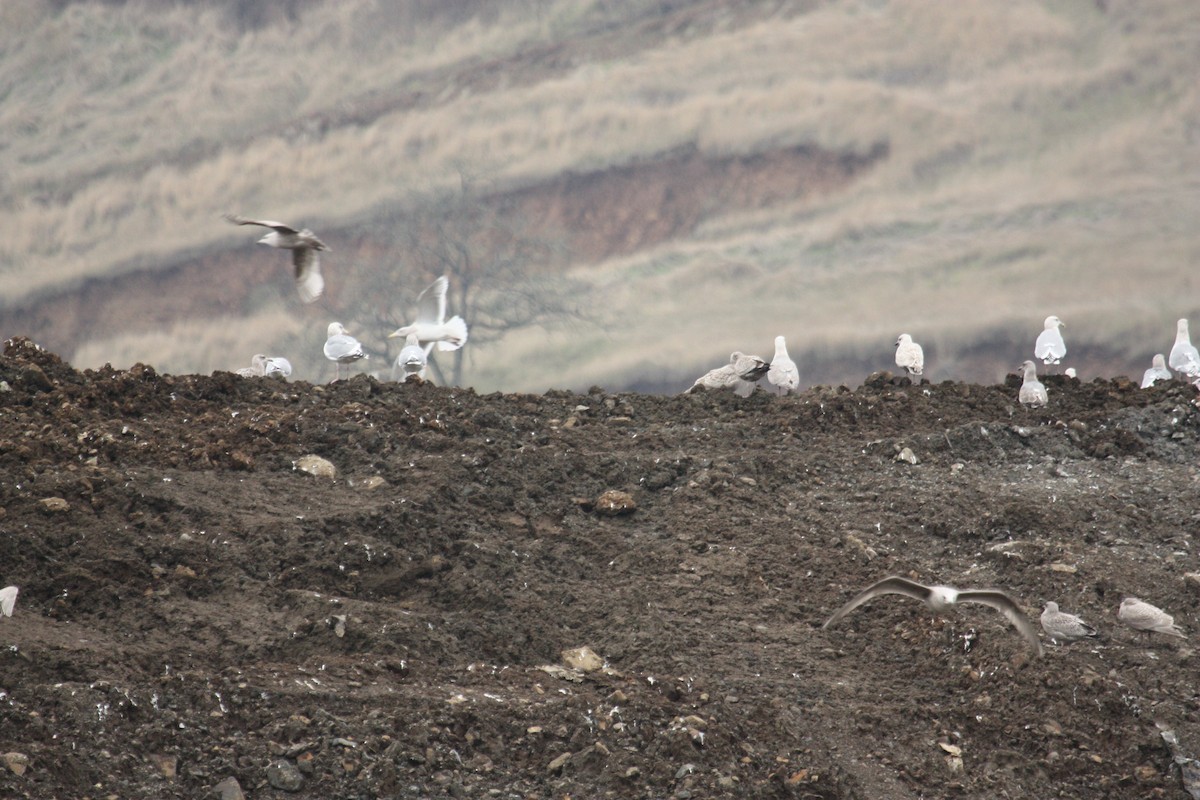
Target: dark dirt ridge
x=179, y=616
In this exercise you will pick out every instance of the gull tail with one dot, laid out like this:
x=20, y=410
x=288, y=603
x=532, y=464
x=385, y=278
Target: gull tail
x=456, y=334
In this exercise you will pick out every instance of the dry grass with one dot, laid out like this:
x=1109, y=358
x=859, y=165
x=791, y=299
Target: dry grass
x=1043, y=155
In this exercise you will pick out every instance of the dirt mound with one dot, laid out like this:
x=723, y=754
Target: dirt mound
x=196, y=609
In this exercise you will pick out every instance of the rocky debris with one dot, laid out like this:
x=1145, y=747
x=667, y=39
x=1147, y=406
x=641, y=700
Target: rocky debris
x=583, y=659
x=612, y=503
x=315, y=465
x=285, y=776
x=228, y=789
x=16, y=762
x=54, y=505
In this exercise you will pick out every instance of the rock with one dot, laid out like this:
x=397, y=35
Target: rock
x=17, y=763
x=1191, y=582
x=165, y=764
x=583, y=659
x=228, y=789
x=285, y=776
x=54, y=505
x=315, y=465
x=614, y=503
x=557, y=764
x=907, y=455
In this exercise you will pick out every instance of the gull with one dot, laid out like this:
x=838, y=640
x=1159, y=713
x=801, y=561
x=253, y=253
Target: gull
x=940, y=598
x=910, y=356
x=412, y=359
x=1063, y=627
x=1033, y=393
x=1158, y=372
x=1184, y=356
x=783, y=373
x=1142, y=616
x=342, y=348
x=1050, y=347
x=734, y=374
x=276, y=365
x=8, y=599
x=432, y=325
x=304, y=245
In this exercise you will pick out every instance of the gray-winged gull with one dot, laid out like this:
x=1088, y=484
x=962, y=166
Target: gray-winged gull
x=1050, y=347
x=431, y=324
x=8, y=599
x=342, y=348
x=940, y=598
x=412, y=359
x=1184, y=356
x=1033, y=393
x=739, y=374
x=304, y=245
x=909, y=356
x=277, y=365
x=1063, y=627
x=1157, y=372
x=783, y=373
x=1141, y=616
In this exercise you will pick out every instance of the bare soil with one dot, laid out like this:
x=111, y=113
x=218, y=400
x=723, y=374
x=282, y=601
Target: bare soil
x=195, y=609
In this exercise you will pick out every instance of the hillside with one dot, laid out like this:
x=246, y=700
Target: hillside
x=683, y=179
x=196, y=611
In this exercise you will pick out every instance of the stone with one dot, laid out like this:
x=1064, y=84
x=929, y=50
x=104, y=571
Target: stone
x=54, y=505
x=228, y=789
x=285, y=776
x=165, y=764
x=583, y=659
x=17, y=763
x=315, y=465
x=615, y=503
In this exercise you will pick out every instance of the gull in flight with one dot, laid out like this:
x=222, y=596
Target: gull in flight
x=342, y=348
x=910, y=356
x=1050, y=347
x=1063, y=627
x=304, y=245
x=1142, y=616
x=782, y=372
x=431, y=325
x=8, y=599
x=739, y=374
x=412, y=359
x=1184, y=356
x=940, y=598
x=1158, y=372
x=1033, y=393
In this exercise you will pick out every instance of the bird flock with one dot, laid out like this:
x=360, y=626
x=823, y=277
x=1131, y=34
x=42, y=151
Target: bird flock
x=743, y=371
x=430, y=329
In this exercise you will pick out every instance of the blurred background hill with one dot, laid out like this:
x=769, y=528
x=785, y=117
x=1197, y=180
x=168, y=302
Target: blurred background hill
x=622, y=192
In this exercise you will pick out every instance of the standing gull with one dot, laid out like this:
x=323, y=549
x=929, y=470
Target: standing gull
x=8, y=599
x=1033, y=393
x=940, y=598
x=411, y=361
x=1050, y=347
x=910, y=356
x=1184, y=356
x=432, y=325
x=1063, y=627
x=342, y=348
x=1142, y=616
x=304, y=245
x=1158, y=372
x=782, y=372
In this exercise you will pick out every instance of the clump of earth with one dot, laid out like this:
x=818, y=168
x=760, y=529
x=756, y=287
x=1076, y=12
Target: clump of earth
x=248, y=587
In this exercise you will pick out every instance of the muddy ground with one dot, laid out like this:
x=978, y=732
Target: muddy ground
x=200, y=618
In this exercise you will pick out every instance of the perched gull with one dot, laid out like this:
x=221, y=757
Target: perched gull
x=304, y=245
x=8, y=599
x=910, y=356
x=1158, y=372
x=1184, y=356
x=748, y=368
x=782, y=372
x=1144, y=617
x=342, y=348
x=940, y=598
x=431, y=324
x=1033, y=393
x=257, y=367
x=276, y=365
x=411, y=361
x=739, y=374
x=1050, y=347
x=1063, y=627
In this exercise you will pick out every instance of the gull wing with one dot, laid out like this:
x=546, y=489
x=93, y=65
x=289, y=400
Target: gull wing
x=431, y=303
x=1004, y=603
x=266, y=223
x=892, y=585
x=309, y=282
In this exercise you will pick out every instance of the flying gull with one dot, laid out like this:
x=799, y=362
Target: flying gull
x=782, y=372
x=432, y=325
x=342, y=348
x=1033, y=393
x=1142, y=616
x=304, y=245
x=1063, y=627
x=1184, y=356
x=940, y=598
x=909, y=356
x=1158, y=372
x=1050, y=347
x=8, y=599
x=411, y=360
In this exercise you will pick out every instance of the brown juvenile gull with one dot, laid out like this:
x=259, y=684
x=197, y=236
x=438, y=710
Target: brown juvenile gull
x=782, y=373
x=304, y=245
x=1142, y=616
x=1184, y=356
x=940, y=598
x=432, y=325
x=1050, y=347
x=1063, y=627
x=8, y=599
x=342, y=348
x=1033, y=393
x=1157, y=372
x=909, y=356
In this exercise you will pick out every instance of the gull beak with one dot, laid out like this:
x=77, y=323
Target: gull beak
x=393, y=334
